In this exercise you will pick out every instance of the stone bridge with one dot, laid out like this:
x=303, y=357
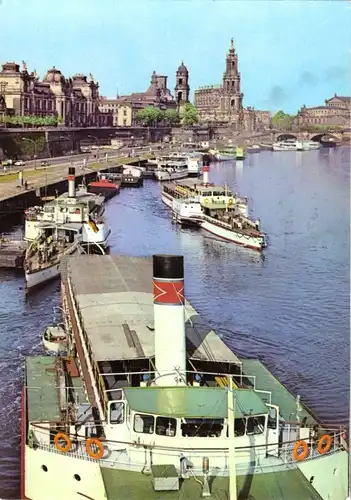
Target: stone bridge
x=336, y=136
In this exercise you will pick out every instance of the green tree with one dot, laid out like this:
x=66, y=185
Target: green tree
x=149, y=116
x=283, y=121
x=189, y=114
x=171, y=117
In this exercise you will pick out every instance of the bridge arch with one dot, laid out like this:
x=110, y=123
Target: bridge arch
x=285, y=136
x=324, y=138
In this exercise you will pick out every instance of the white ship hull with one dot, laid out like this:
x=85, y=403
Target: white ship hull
x=163, y=175
x=223, y=157
x=253, y=242
x=89, y=237
x=36, y=278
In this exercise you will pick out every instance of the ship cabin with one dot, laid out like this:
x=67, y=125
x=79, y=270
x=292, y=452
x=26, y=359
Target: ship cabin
x=112, y=309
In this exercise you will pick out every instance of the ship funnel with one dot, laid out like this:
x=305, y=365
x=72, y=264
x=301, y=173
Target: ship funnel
x=169, y=320
x=205, y=175
x=71, y=182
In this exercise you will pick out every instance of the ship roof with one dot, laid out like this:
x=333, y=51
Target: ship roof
x=196, y=184
x=194, y=402
x=114, y=297
x=81, y=197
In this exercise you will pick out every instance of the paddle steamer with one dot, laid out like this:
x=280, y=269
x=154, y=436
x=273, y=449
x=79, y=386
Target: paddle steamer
x=151, y=403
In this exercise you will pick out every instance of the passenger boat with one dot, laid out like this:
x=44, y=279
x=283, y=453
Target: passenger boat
x=105, y=187
x=193, y=160
x=44, y=254
x=171, y=170
x=77, y=209
x=225, y=154
x=151, y=403
x=310, y=145
x=255, y=148
x=132, y=176
x=55, y=339
x=204, y=192
x=288, y=145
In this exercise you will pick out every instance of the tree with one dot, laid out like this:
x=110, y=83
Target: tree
x=283, y=121
x=149, y=116
x=171, y=117
x=28, y=121
x=189, y=114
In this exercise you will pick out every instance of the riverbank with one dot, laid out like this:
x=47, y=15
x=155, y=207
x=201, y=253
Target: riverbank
x=47, y=180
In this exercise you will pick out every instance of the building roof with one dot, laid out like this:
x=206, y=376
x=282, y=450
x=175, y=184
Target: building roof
x=114, y=297
x=193, y=402
x=340, y=97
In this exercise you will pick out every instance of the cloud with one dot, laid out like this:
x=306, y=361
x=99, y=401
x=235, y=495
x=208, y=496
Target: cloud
x=277, y=95
x=308, y=78
x=334, y=73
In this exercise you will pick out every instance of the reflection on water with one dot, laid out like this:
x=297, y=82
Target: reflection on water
x=290, y=308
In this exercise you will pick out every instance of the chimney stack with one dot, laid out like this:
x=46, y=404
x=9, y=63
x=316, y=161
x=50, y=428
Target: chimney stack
x=205, y=170
x=71, y=182
x=169, y=319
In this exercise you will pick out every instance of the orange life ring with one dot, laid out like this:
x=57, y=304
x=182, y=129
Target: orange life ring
x=324, y=444
x=305, y=450
x=97, y=454
x=61, y=436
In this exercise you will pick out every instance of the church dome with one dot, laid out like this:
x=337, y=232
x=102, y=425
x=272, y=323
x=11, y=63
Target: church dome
x=182, y=69
x=54, y=76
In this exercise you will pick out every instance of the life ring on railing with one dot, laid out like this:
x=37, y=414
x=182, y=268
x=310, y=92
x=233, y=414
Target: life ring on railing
x=61, y=436
x=206, y=200
x=94, y=454
x=304, y=453
x=324, y=444
x=230, y=201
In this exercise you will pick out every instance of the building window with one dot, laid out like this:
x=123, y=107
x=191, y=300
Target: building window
x=144, y=423
x=166, y=426
x=124, y=121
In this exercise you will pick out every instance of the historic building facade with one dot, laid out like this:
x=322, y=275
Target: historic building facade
x=74, y=101
x=124, y=108
x=336, y=112
x=224, y=102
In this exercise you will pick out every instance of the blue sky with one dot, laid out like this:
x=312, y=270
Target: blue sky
x=291, y=52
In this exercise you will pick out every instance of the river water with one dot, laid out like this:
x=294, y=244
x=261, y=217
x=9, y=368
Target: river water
x=290, y=308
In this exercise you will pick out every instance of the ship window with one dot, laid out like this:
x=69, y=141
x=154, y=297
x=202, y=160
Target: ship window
x=116, y=412
x=45, y=469
x=255, y=425
x=272, y=418
x=239, y=427
x=202, y=427
x=77, y=477
x=166, y=426
x=144, y=423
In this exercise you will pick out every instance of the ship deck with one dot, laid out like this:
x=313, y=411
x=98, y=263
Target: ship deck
x=281, y=396
x=285, y=485
x=115, y=302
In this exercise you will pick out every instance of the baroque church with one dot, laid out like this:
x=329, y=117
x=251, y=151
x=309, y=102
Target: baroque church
x=224, y=103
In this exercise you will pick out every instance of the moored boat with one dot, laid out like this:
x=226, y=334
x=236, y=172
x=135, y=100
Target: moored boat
x=225, y=154
x=131, y=176
x=171, y=170
x=55, y=339
x=155, y=404
x=105, y=187
x=76, y=209
x=240, y=153
x=288, y=145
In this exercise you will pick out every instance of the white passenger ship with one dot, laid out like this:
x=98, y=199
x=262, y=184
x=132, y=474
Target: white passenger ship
x=171, y=169
x=81, y=211
x=151, y=403
x=193, y=160
x=293, y=145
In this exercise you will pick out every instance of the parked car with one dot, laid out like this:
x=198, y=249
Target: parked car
x=19, y=163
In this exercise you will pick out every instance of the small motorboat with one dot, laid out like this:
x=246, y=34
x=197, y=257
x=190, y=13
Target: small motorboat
x=55, y=339
x=104, y=186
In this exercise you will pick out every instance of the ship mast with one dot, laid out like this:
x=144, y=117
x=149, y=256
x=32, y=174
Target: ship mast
x=231, y=439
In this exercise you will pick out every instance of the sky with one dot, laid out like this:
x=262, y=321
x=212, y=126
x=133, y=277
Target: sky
x=291, y=52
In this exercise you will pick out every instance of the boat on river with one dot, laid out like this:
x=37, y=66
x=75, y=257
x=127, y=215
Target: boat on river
x=105, y=187
x=44, y=254
x=55, y=339
x=225, y=154
x=172, y=169
x=76, y=209
x=240, y=154
x=152, y=403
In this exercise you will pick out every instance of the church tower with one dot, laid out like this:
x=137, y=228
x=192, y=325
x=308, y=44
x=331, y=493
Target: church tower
x=231, y=86
x=182, y=88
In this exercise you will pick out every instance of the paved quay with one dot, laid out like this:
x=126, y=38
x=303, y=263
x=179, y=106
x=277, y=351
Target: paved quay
x=45, y=176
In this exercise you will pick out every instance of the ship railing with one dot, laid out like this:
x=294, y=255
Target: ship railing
x=114, y=451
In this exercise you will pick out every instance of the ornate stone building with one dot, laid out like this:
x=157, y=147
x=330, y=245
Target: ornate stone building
x=75, y=101
x=125, y=107
x=182, y=89
x=224, y=103
x=336, y=112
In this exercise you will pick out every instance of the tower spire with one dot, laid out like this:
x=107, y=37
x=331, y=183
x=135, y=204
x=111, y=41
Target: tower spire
x=232, y=43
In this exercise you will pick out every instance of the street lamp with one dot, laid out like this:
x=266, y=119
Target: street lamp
x=35, y=149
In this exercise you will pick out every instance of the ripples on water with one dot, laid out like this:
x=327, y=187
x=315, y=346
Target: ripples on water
x=290, y=308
